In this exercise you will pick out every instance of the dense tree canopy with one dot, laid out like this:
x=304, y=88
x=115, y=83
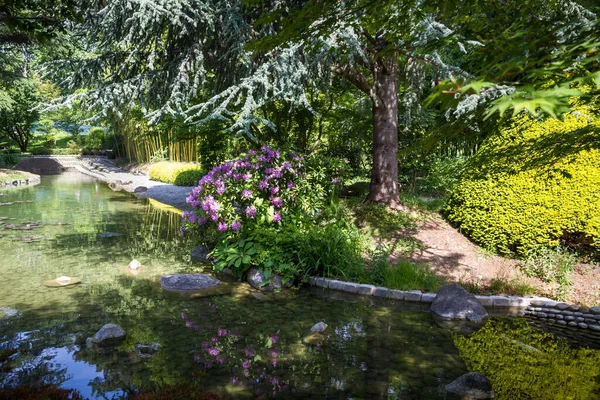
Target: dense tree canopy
x=225, y=61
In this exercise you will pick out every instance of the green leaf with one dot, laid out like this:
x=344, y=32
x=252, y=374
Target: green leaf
x=238, y=262
x=246, y=259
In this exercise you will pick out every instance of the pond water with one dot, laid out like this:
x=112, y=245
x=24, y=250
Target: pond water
x=240, y=346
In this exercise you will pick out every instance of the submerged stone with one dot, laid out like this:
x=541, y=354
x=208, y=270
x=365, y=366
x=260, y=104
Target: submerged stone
x=470, y=386
x=183, y=282
x=110, y=335
x=256, y=279
x=62, y=281
x=319, y=327
x=134, y=265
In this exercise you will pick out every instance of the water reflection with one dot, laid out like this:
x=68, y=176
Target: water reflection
x=236, y=344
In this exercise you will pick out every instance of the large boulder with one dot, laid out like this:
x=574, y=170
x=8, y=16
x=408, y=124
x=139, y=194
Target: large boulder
x=470, y=386
x=110, y=335
x=452, y=302
x=40, y=166
x=256, y=279
x=187, y=282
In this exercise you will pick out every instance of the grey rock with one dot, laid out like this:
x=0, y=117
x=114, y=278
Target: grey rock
x=582, y=325
x=595, y=310
x=485, y=301
x=319, y=327
x=428, y=297
x=350, y=287
x=594, y=328
x=396, y=294
x=146, y=349
x=200, y=253
x=256, y=279
x=380, y=292
x=365, y=289
x=572, y=323
x=562, y=306
x=183, y=282
x=335, y=284
x=140, y=189
x=413, y=295
x=455, y=303
x=471, y=386
x=110, y=335
x=501, y=301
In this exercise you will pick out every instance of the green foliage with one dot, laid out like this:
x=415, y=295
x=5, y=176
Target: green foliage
x=17, y=110
x=334, y=249
x=512, y=287
x=189, y=177
x=551, y=265
x=169, y=172
x=523, y=363
x=402, y=275
x=531, y=185
x=39, y=392
x=8, y=159
x=380, y=221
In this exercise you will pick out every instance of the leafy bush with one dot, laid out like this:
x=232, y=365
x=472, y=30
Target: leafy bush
x=189, y=177
x=8, y=159
x=274, y=212
x=532, y=185
x=260, y=188
x=168, y=172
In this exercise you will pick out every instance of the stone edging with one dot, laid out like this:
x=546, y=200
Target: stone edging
x=565, y=314
x=419, y=297
x=34, y=180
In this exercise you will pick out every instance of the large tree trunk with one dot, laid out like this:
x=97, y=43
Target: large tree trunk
x=384, y=174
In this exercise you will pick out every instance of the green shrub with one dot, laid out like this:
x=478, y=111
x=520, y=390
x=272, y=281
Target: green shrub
x=533, y=185
x=189, y=177
x=168, y=172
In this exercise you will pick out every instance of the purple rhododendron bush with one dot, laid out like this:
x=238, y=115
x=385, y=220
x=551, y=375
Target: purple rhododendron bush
x=276, y=211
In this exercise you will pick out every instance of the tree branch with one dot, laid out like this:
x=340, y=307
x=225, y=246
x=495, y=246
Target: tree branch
x=356, y=78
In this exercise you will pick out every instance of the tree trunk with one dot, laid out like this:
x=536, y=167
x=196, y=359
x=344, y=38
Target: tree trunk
x=384, y=174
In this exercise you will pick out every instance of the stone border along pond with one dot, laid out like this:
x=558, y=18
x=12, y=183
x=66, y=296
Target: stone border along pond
x=32, y=180
x=540, y=308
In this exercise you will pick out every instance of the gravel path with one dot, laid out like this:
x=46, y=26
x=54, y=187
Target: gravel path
x=117, y=179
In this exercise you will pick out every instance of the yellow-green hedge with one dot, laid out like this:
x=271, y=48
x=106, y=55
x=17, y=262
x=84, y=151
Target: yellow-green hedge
x=533, y=184
x=180, y=174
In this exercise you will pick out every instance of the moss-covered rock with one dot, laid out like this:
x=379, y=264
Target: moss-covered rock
x=533, y=184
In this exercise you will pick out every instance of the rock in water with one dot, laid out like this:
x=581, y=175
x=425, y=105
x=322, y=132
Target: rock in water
x=452, y=302
x=470, y=386
x=134, y=265
x=319, y=327
x=183, y=282
x=110, y=335
x=256, y=279
x=200, y=253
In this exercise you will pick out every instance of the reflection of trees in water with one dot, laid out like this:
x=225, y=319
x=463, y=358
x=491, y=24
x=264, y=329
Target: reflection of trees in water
x=522, y=362
x=259, y=342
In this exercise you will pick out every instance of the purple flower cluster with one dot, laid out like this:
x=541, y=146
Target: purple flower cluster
x=260, y=184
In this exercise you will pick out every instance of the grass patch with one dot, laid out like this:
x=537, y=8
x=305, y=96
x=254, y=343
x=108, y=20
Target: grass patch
x=421, y=203
x=9, y=174
x=406, y=276
x=378, y=220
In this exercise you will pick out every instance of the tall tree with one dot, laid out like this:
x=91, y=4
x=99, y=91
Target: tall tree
x=224, y=60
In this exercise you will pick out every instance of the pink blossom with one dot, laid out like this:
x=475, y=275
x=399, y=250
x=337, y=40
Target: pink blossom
x=246, y=364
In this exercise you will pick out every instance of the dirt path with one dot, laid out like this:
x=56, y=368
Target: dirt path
x=453, y=256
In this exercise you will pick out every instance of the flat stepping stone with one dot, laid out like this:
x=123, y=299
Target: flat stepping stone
x=179, y=282
x=62, y=281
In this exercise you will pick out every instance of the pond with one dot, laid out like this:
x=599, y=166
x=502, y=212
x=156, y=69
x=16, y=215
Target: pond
x=240, y=346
